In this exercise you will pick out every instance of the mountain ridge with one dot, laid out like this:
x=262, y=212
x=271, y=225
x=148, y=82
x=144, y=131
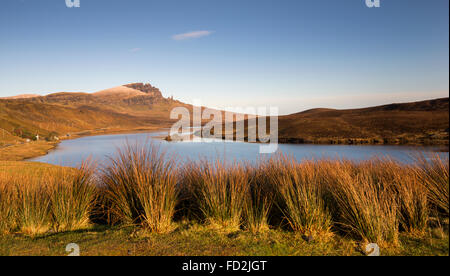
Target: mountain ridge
x=142, y=106
x=58, y=114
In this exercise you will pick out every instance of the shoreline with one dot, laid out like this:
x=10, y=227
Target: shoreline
x=45, y=147
x=52, y=145
x=440, y=147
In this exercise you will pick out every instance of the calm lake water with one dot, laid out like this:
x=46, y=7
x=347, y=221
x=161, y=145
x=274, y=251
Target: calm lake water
x=99, y=148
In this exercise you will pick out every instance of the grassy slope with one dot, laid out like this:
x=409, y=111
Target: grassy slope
x=419, y=122
x=19, y=152
x=13, y=168
x=110, y=110
x=6, y=136
x=425, y=122
x=119, y=109
x=76, y=114
x=193, y=239
x=73, y=114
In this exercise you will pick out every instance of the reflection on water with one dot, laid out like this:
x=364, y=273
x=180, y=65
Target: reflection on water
x=72, y=152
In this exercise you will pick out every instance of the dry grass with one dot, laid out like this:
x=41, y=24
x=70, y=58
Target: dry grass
x=412, y=200
x=8, y=208
x=220, y=191
x=364, y=203
x=140, y=188
x=433, y=173
x=73, y=199
x=371, y=201
x=301, y=190
x=260, y=199
x=59, y=199
x=19, y=152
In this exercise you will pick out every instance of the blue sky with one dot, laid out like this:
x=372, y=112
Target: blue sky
x=295, y=54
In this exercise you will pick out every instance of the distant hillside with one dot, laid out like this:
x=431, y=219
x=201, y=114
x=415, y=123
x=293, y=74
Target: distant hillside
x=115, y=109
x=141, y=106
x=130, y=107
x=425, y=122
x=22, y=96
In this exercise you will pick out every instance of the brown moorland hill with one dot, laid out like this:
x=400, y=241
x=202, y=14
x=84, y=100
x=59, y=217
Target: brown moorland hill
x=116, y=109
x=131, y=107
x=22, y=96
x=139, y=106
x=424, y=123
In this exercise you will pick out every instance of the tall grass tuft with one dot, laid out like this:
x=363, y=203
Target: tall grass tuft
x=434, y=175
x=34, y=209
x=366, y=204
x=35, y=203
x=412, y=198
x=301, y=196
x=260, y=199
x=220, y=191
x=73, y=197
x=140, y=187
x=8, y=205
x=406, y=187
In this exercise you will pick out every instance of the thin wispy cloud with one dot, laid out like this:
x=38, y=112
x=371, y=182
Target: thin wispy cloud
x=191, y=35
x=134, y=50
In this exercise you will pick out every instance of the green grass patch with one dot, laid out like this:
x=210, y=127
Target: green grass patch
x=199, y=240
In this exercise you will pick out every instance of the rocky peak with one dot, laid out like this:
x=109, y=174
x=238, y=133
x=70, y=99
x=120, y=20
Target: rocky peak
x=146, y=88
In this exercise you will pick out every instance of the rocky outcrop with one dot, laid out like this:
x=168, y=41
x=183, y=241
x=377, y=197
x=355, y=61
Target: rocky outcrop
x=146, y=88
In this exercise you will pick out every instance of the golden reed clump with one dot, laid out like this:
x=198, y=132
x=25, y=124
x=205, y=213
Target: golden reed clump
x=140, y=188
x=57, y=200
